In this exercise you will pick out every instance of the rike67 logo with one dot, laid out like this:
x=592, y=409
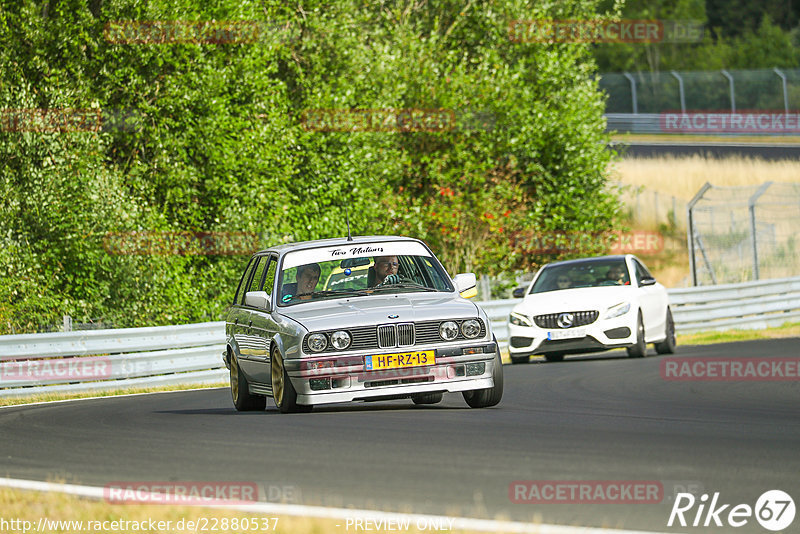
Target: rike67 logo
x=774, y=510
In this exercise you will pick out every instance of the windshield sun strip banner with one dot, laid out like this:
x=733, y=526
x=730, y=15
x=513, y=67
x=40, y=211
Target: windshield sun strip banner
x=360, y=250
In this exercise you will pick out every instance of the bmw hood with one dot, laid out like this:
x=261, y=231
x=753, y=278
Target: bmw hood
x=375, y=310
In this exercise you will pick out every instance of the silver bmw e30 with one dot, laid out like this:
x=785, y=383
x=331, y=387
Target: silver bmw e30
x=357, y=319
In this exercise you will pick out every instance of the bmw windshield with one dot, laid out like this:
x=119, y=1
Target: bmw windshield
x=359, y=270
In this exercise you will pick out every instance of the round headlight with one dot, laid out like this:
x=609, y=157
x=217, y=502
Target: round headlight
x=448, y=330
x=471, y=328
x=340, y=339
x=317, y=342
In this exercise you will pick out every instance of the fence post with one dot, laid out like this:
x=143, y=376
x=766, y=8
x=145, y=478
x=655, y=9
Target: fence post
x=680, y=90
x=730, y=82
x=785, y=94
x=690, y=229
x=752, y=205
x=634, y=99
x=655, y=205
x=67, y=323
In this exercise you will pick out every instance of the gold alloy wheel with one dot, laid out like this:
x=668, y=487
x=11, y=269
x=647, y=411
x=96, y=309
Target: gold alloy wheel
x=234, y=379
x=277, y=378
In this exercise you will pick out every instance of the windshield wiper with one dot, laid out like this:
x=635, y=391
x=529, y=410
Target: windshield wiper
x=329, y=292
x=406, y=285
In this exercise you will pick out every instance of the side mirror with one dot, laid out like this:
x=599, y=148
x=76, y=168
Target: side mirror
x=519, y=292
x=257, y=299
x=647, y=282
x=466, y=285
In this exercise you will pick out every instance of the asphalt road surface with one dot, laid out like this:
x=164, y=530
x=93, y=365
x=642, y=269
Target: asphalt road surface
x=601, y=417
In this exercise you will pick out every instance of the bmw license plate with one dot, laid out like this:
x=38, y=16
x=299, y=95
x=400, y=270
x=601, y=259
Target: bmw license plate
x=569, y=333
x=400, y=359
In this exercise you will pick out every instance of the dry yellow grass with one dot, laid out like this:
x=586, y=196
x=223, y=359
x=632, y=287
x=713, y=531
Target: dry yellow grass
x=683, y=177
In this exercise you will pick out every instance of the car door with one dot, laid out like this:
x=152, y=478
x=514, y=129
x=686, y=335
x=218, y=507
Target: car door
x=249, y=342
x=263, y=325
x=238, y=316
x=652, y=300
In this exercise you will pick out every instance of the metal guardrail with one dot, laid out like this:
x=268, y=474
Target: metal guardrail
x=98, y=360
x=747, y=305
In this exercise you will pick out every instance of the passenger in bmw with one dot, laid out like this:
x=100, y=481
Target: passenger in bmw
x=307, y=279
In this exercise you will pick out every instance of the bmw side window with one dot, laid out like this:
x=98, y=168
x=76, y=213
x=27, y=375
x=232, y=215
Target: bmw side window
x=255, y=283
x=269, y=281
x=239, y=297
x=248, y=277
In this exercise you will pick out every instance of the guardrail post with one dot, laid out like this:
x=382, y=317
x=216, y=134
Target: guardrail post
x=752, y=206
x=67, y=323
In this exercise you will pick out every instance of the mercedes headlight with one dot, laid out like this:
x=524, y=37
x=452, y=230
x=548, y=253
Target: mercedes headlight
x=471, y=328
x=317, y=342
x=448, y=330
x=618, y=309
x=519, y=319
x=340, y=339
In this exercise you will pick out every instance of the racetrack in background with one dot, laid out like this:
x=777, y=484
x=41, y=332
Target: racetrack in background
x=594, y=417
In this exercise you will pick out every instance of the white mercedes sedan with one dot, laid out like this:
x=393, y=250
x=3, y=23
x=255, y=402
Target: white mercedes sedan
x=591, y=305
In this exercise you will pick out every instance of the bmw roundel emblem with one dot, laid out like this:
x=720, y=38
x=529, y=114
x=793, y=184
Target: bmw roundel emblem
x=393, y=316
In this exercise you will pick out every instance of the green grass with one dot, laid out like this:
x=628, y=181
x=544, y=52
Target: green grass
x=729, y=336
x=54, y=397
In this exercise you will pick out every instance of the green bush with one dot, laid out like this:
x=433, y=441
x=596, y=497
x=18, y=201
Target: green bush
x=202, y=137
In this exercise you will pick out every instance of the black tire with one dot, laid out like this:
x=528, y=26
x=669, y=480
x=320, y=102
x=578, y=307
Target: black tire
x=520, y=359
x=243, y=400
x=283, y=392
x=484, y=398
x=554, y=356
x=427, y=398
x=668, y=345
x=639, y=350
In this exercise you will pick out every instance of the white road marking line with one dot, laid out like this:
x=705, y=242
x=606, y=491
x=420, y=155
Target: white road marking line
x=321, y=512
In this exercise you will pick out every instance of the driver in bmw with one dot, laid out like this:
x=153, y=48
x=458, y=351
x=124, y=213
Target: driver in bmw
x=386, y=270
